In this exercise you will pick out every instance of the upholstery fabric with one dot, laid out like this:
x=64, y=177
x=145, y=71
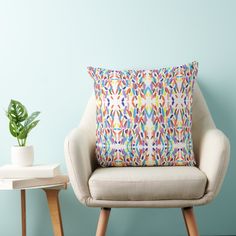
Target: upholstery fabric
x=211, y=147
x=144, y=117
x=147, y=183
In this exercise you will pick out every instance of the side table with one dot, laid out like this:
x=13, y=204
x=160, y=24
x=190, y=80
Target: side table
x=52, y=192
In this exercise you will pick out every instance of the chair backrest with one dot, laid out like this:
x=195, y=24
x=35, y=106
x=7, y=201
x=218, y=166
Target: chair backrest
x=202, y=120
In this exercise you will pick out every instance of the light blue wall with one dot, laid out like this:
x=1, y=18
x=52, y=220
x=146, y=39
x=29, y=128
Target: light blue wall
x=45, y=47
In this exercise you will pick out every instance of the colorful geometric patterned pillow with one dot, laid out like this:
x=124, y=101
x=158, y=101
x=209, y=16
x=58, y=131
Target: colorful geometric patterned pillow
x=144, y=117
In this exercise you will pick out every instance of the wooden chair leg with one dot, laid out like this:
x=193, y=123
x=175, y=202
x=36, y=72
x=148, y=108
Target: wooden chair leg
x=23, y=212
x=102, y=221
x=54, y=208
x=190, y=221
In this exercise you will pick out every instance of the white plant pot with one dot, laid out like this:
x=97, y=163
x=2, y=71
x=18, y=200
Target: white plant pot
x=22, y=156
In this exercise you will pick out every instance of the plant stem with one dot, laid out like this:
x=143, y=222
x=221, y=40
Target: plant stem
x=21, y=142
x=18, y=140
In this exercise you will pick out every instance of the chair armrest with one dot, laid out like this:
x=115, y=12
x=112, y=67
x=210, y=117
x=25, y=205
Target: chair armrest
x=79, y=150
x=214, y=153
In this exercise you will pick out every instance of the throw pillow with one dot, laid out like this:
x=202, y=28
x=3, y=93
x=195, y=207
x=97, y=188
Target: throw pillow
x=144, y=117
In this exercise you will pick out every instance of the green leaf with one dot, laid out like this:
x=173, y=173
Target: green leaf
x=31, y=118
x=26, y=129
x=16, y=111
x=32, y=125
x=15, y=128
x=23, y=134
x=18, y=116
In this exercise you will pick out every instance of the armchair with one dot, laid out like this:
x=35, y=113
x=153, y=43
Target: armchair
x=150, y=187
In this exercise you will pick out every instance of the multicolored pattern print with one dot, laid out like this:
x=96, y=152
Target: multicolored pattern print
x=144, y=117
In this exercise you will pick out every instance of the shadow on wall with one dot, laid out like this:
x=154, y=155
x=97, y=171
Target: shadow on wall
x=221, y=111
x=146, y=221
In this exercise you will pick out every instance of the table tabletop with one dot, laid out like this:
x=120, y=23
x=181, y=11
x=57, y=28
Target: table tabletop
x=57, y=182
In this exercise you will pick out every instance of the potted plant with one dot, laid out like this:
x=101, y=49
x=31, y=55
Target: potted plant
x=20, y=124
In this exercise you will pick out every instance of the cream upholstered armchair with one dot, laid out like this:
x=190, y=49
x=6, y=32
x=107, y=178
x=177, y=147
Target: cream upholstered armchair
x=153, y=187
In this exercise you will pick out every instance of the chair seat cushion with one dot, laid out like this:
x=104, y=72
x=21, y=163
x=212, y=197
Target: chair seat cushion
x=147, y=183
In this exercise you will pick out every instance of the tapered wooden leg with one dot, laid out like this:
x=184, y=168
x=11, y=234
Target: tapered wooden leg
x=23, y=212
x=190, y=221
x=102, y=221
x=54, y=208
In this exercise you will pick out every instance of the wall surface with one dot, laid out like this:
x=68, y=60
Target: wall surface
x=45, y=47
